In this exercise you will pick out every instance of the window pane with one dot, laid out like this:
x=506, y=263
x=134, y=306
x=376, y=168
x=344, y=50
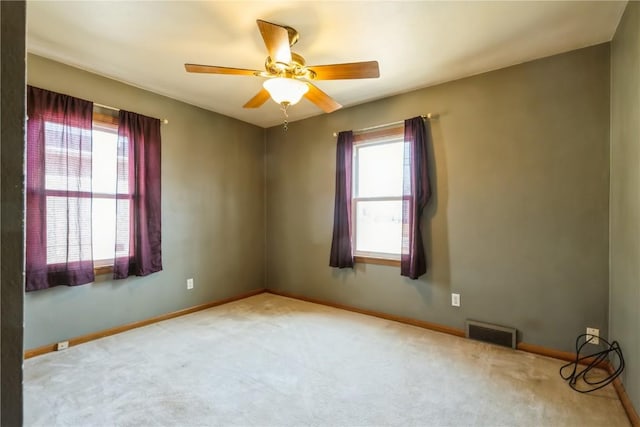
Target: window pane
x=122, y=232
x=67, y=226
x=379, y=170
x=105, y=145
x=67, y=158
x=123, y=165
x=104, y=228
x=379, y=226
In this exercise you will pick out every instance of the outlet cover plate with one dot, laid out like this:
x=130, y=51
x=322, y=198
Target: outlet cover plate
x=593, y=336
x=455, y=300
x=189, y=283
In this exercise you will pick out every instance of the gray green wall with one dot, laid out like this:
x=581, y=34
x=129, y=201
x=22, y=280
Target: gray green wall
x=12, y=28
x=519, y=222
x=624, y=307
x=518, y=225
x=212, y=215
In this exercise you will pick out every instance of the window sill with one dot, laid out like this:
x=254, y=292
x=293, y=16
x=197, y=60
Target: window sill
x=105, y=269
x=378, y=261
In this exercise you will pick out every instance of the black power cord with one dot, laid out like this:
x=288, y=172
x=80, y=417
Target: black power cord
x=597, y=358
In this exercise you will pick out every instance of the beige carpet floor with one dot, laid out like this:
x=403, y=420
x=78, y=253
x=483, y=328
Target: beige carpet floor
x=274, y=361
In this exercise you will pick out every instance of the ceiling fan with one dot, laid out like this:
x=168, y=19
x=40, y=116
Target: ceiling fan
x=288, y=76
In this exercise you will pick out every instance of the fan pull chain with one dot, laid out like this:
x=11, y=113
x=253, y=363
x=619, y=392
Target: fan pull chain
x=283, y=108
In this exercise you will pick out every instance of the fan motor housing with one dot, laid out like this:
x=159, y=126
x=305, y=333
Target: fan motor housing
x=295, y=69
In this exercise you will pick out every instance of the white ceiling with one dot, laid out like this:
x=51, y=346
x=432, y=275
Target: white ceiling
x=417, y=44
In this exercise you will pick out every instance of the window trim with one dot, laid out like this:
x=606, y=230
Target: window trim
x=105, y=121
x=102, y=269
x=380, y=136
x=377, y=261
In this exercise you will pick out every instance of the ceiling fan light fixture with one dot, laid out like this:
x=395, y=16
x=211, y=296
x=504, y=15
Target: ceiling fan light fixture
x=285, y=90
x=289, y=78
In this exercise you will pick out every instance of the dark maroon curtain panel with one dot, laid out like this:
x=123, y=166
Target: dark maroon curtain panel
x=58, y=212
x=416, y=194
x=138, y=230
x=341, y=250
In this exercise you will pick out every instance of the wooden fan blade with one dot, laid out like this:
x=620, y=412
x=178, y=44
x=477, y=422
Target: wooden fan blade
x=210, y=69
x=354, y=70
x=321, y=99
x=257, y=101
x=276, y=38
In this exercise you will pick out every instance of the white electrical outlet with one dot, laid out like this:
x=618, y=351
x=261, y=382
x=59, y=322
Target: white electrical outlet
x=62, y=345
x=189, y=283
x=455, y=300
x=593, y=336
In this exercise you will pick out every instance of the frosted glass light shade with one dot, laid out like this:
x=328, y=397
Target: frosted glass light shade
x=285, y=90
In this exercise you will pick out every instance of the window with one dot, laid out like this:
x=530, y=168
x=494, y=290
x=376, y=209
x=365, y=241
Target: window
x=382, y=188
x=96, y=191
x=87, y=207
x=377, y=195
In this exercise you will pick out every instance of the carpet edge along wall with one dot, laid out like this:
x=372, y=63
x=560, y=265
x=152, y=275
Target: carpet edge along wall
x=556, y=354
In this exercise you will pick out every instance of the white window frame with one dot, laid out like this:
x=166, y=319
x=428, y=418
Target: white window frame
x=361, y=141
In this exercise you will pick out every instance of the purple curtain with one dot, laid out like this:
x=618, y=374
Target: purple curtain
x=341, y=251
x=416, y=194
x=138, y=233
x=58, y=223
